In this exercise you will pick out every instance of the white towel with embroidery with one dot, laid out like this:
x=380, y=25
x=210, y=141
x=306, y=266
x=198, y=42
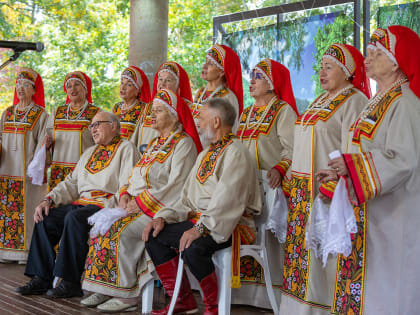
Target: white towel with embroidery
x=277, y=220
x=37, y=166
x=341, y=223
x=316, y=227
x=103, y=219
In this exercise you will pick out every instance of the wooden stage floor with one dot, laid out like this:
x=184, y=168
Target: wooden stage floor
x=11, y=276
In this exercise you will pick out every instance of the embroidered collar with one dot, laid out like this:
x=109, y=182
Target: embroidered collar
x=102, y=156
x=208, y=163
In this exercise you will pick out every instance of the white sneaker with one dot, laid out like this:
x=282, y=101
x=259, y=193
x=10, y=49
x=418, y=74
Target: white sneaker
x=114, y=305
x=94, y=300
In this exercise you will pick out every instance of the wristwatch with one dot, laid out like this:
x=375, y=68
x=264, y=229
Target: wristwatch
x=49, y=200
x=202, y=229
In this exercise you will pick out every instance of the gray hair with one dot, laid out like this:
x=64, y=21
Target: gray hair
x=113, y=119
x=225, y=110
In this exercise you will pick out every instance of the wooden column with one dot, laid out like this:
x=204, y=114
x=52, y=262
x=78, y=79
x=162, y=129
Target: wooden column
x=148, y=35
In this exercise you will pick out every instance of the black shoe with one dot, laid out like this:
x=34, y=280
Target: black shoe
x=65, y=289
x=36, y=286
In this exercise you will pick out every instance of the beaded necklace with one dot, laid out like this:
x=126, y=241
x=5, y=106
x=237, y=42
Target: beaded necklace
x=22, y=119
x=82, y=110
x=374, y=101
x=323, y=102
x=154, y=150
x=201, y=101
x=256, y=126
x=126, y=110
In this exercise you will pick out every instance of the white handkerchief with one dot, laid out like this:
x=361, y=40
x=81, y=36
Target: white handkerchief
x=103, y=219
x=37, y=166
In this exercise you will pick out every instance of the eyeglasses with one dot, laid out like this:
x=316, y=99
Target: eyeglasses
x=24, y=85
x=97, y=123
x=255, y=75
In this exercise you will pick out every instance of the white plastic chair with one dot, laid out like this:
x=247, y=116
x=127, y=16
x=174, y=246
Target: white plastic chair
x=223, y=258
x=147, y=297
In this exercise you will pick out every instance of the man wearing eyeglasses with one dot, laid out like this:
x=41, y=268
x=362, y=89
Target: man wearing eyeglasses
x=61, y=218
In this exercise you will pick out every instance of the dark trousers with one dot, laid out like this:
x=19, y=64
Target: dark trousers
x=67, y=225
x=197, y=257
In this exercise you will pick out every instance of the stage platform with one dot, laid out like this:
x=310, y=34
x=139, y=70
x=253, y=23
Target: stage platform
x=11, y=276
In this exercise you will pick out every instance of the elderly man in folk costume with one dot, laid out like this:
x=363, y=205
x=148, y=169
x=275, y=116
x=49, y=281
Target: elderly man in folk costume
x=116, y=264
x=222, y=71
x=267, y=128
x=62, y=216
x=66, y=131
x=320, y=130
x=381, y=165
x=170, y=76
x=21, y=136
x=135, y=94
x=220, y=192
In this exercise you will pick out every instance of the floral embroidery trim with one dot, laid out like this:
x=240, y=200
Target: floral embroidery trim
x=89, y=113
x=297, y=256
x=351, y=270
x=12, y=213
x=265, y=126
x=367, y=127
x=313, y=114
x=59, y=172
x=208, y=163
x=102, y=156
x=21, y=126
x=195, y=107
x=129, y=119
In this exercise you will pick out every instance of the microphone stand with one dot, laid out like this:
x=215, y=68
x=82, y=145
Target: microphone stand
x=12, y=58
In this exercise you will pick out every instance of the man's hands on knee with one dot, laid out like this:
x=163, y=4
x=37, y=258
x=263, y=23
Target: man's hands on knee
x=188, y=237
x=43, y=208
x=156, y=225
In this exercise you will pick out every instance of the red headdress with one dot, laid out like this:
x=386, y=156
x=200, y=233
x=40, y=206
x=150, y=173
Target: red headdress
x=226, y=59
x=178, y=106
x=33, y=77
x=401, y=44
x=278, y=76
x=352, y=62
x=83, y=79
x=180, y=76
x=140, y=81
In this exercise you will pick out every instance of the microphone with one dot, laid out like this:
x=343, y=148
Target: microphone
x=22, y=46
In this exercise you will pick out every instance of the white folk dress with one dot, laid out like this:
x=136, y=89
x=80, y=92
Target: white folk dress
x=21, y=136
x=117, y=263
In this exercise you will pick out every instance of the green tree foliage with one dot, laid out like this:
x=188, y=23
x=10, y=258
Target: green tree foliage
x=78, y=35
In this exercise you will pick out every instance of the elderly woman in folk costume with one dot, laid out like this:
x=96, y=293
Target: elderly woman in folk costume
x=321, y=129
x=117, y=266
x=21, y=135
x=170, y=76
x=66, y=132
x=135, y=93
x=222, y=71
x=267, y=128
x=382, y=169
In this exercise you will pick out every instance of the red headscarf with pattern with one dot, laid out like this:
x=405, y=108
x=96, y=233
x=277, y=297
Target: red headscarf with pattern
x=278, y=77
x=402, y=44
x=227, y=60
x=30, y=76
x=179, y=107
x=140, y=81
x=83, y=79
x=180, y=76
x=351, y=61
